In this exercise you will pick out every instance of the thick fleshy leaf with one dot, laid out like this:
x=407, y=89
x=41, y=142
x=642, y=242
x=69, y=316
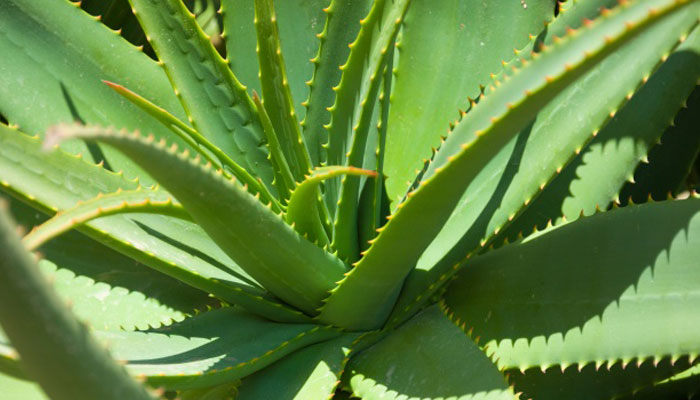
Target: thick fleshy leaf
x=140, y=200
x=352, y=110
x=341, y=28
x=277, y=97
x=297, y=271
x=213, y=348
x=216, y=103
x=451, y=365
x=368, y=293
x=299, y=22
x=596, y=175
x=447, y=49
x=54, y=58
x=671, y=160
x=56, y=181
x=310, y=373
x=302, y=210
x=373, y=204
x=104, y=307
x=284, y=180
x=196, y=141
x=117, y=15
x=98, y=269
x=345, y=233
x=685, y=385
x=511, y=180
x=567, y=295
x=589, y=381
x=55, y=348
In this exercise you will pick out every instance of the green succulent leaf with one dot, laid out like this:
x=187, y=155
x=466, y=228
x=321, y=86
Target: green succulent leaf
x=198, y=142
x=298, y=271
x=631, y=131
x=451, y=365
x=56, y=181
x=54, y=58
x=341, y=28
x=670, y=161
x=302, y=209
x=373, y=205
x=139, y=200
x=590, y=381
x=55, y=348
x=361, y=243
x=117, y=15
x=277, y=97
x=284, y=180
x=104, y=307
x=367, y=295
x=684, y=385
x=594, y=278
x=212, y=348
x=358, y=86
x=216, y=103
x=298, y=42
x=345, y=233
x=512, y=179
x=310, y=373
x=447, y=49
x=74, y=258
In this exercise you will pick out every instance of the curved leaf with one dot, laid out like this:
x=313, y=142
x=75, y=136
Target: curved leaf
x=297, y=271
x=514, y=178
x=302, y=209
x=284, y=180
x=277, y=97
x=196, y=141
x=342, y=24
x=345, y=233
x=367, y=295
x=217, y=104
x=685, y=385
x=55, y=348
x=579, y=382
x=56, y=180
x=133, y=201
x=299, y=22
x=567, y=295
x=447, y=49
x=596, y=175
x=451, y=365
x=54, y=58
x=77, y=258
x=671, y=160
x=213, y=348
x=310, y=373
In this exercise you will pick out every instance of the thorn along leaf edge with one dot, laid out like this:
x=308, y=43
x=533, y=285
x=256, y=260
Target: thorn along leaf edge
x=312, y=281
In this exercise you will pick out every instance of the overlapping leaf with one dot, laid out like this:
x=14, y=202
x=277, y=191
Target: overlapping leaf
x=451, y=365
x=366, y=296
x=567, y=295
x=56, y=180
x=297, y=271
x=509, y=181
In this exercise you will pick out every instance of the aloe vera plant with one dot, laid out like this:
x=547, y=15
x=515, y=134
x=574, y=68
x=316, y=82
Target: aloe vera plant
x=388, y=199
